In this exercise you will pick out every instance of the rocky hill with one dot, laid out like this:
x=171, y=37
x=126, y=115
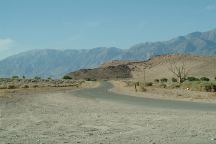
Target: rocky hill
x=109, y=72
x=155, y=68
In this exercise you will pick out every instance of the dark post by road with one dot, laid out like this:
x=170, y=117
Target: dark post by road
x=144, y=75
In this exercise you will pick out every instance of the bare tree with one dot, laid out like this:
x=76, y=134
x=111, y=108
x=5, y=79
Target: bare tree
x=179, y=68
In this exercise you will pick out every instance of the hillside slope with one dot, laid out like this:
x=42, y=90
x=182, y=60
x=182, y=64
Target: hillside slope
x=154, y=68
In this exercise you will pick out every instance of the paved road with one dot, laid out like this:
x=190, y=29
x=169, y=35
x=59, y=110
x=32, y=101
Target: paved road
x=102, y=93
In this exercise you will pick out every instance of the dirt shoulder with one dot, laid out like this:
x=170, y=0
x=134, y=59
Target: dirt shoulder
x=162, y=93
x=42, y=90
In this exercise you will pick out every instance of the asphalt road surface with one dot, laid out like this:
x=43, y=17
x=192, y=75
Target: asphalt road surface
x=102, y=93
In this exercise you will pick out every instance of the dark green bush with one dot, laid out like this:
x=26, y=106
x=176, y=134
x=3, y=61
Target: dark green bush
x=214, y=87
x=174, y=80
x=192, y=79
x=163, y=85
x=66, y=77
x=182, y=80
x=209, y=87
x=11, y=86
x=156, y=80
x=35, y=86
x=148, y=84
x=164, y=80
x=90, y=79
x=204, y=79
x=25, y=86
x=15, y=77
x=37, y=78
x=174, y=85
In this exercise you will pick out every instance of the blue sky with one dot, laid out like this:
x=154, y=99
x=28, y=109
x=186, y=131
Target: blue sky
x=84, y=24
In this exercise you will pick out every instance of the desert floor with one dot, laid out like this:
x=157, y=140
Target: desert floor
x=164, y=93
x=68, y=116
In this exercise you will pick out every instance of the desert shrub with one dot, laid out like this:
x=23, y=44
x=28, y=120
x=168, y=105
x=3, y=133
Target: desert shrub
x=90, y=79
x=214, y=87
x=49, y=78
x=66, y=77
x=174, y=80
x=35, y=86
x=209, y=87
x=15, y=77
x=163, y=85
x=192, y=85
x=11, y=86
x=129, y=83
x=215, y=78
x=204, y=79
x=23, y=77
x=3, y=86
x=37, y=78
x=175, y=85
x=182, y=80
x=156, y=80
x=148, y=84
x=192, y=79
x=142, y=88
x=200, y=86
x=164, y=80
x=25, y=86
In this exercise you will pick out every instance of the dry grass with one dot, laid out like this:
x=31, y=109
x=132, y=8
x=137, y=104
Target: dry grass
x=157, y=67
x=163, y=93
x=31, y=88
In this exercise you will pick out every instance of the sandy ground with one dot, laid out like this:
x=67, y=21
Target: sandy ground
x=25, y=91
x=59, y=117
x=161, y=93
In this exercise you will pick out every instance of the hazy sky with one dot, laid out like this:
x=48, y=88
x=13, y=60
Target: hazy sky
x=84, y=24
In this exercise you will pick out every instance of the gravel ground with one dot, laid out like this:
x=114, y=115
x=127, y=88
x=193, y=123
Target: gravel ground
x=60, y=117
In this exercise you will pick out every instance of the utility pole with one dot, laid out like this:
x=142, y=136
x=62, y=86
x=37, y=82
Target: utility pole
x=144, y=75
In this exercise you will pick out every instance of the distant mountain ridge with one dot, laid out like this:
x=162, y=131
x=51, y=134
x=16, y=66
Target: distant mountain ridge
x=55, y=63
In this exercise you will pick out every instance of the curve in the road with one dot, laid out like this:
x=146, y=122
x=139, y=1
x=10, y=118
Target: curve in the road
x=102, y=93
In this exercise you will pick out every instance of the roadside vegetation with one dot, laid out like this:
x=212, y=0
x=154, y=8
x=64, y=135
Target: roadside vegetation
x=16, y=82
x=203, y=84
x=181, y=79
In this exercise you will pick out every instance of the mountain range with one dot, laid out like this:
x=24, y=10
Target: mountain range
x=56, y=63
